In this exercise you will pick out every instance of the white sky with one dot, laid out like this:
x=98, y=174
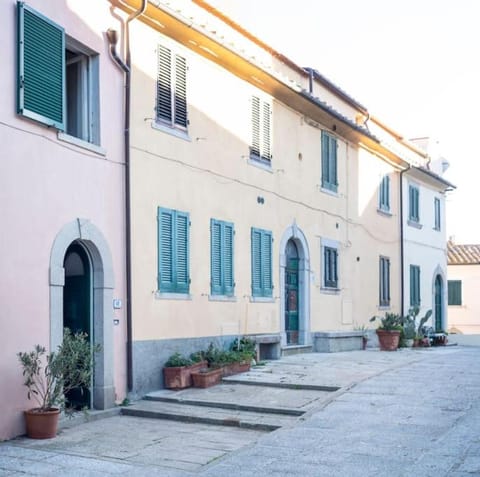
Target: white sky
x=415, y=64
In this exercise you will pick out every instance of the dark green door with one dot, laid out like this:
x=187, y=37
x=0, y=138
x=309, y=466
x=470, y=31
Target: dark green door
x=291, y=293
x=438, y=303
x=77, y=306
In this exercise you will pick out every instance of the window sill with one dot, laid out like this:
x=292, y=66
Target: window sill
x=81, y=143
x=330, y=291
x=384, y=212
x=262, y=299
x=416, y=225
x=172, y=296
x=224, y=298
x=383, y=307
x=331, y=192
x=437, y=229
x=173, y=131
x=260, y=164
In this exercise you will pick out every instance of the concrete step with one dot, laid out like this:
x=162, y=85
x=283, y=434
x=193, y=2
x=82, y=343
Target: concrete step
x=296, y=349
x=209, y=415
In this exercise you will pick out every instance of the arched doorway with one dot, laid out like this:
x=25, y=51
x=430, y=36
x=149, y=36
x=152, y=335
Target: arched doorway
x=291, y=293
x=77, y=307
x=94, y=253
x=438, y=303
x=294, y=288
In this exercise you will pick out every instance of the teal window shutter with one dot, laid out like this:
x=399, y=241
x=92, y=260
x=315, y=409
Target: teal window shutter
x=216, y=257
x=262, y=283
x=41, y=68
x=228, y=275
x=165, y=250
x=330, y=267
x=384, y=281
x=437, y=214
x=384, y=195
x=221, y=258
x=413, y=196
x=173, y=251
x=455, y=292
x=329, y=162
x=182, y=252
x=414, y=285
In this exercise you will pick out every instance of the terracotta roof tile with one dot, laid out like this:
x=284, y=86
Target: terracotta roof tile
x=463, y=254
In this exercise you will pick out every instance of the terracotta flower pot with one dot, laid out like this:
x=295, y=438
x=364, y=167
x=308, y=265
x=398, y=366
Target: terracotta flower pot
x=41, y=424
x=236, y=368
x=388, y=340
x=207, y=377
x=180, y=377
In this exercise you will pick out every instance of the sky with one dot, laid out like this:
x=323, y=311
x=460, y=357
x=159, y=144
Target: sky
x=415, y=64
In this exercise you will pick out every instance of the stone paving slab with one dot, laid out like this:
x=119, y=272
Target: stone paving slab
x=261, y=398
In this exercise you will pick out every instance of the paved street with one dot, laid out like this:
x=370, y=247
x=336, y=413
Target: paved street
x=413, y=412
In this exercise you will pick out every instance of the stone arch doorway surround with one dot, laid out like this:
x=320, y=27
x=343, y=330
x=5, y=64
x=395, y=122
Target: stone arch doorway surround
x=294, y=233
x=89, y=236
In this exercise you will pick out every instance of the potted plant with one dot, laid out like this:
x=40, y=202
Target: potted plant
x=389, y=331
x=178, y=369
x=420, y=339
x=50, y=376
x=409, y=334
x=206, y=377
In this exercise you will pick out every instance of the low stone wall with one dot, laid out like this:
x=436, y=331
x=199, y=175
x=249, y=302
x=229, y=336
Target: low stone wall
x=336, y=341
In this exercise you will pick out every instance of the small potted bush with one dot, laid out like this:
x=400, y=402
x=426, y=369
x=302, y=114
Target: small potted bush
x=389, y=331
x=50, y=376
x=212, y=372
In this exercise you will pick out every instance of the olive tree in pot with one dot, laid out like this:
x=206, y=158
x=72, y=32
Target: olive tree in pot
x=389, y=330
x=50, y=376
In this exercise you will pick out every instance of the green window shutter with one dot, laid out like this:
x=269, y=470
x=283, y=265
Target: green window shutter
x=256, y=245
x=267, y=285
x=414, y=285
x=164, y=84
x=455, y=292
x=216, y=257
x=181, y=91
x=329, y=162
x=166, y=263
x=229, y=283
x=182, y=252
x=41, y=68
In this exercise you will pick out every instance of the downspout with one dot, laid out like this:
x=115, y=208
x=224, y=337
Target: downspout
x=402, y=252
x=126, y=68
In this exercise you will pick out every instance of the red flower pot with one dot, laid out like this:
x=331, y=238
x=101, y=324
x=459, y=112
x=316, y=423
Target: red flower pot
x=42, y=424
x=388, y=340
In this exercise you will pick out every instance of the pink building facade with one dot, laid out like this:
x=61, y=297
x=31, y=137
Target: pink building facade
x=62, y=175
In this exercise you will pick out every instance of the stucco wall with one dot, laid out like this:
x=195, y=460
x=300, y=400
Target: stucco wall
x=465, y=317
x=208, y=174
x=45, y=184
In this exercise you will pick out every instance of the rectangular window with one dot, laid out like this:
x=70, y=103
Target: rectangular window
x=171, y=107
x=262, y=285
x=221, y=258
x=329, y=162
x=437, y=213
x=173, y=251
x=384, y=281
x=414, y=285
x=330, y=267
x=413, y=203
x=455, y=292
x=58, y=78
x=384, y=194
x=260, y=149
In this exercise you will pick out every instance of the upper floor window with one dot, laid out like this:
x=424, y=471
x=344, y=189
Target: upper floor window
x=58, y=78
x=384, y=281
x=437, y=211
x=414, y=285
x=173, y=251
x=329, y=263
x=455, y=292
x=261, y=146
x=221, y=258
x=384, y=194
x=329, y=162
x=413, y=203
x=261, y=244
x=171, y=107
